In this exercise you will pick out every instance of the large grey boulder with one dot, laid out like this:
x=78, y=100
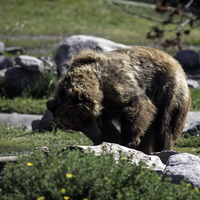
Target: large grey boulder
x=190, y=62
x=189, y=59
x=183, y=166
x=75, y=43
x=17, y=79
x=4, y=62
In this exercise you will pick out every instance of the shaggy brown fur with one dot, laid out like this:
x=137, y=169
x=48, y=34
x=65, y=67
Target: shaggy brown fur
x=144, y=90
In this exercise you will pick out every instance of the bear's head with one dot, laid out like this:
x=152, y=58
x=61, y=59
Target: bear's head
x=75, y=109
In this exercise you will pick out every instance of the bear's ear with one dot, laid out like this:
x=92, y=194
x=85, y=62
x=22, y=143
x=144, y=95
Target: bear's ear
x=77, y=95
x=51, y=105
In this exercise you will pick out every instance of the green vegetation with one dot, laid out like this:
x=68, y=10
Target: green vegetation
x=188, y=142
x=33, y=100
x=75, y=175
x=72, y=174
x=29, y=19
x=195, y=96
x=20, y=139
x=23, y=105
x=65, y=18
x=188, y=145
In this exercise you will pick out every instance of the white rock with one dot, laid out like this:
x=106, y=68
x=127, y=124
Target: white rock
x=30, y=63
x=152, y=162
x=192, y=83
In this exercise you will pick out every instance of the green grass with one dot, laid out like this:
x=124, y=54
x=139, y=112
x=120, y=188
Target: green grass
x=195, y=96
x=188, y=142
x=20, y=139
x=66, y=18
x=23, y=105
x=29, y=104
x=188, y=145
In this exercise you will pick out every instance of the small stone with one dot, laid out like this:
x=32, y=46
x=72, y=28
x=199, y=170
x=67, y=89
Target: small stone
x=15, y=50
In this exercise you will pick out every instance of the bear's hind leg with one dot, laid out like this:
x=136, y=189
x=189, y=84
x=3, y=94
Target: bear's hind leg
x=170, y=124
x=136, y=120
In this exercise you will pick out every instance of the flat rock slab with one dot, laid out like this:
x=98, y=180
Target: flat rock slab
x=192, y=116
x=16, y=119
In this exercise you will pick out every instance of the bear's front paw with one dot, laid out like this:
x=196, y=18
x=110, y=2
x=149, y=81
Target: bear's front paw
x=134, y=143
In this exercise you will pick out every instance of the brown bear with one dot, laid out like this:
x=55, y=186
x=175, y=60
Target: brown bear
x=142, y=89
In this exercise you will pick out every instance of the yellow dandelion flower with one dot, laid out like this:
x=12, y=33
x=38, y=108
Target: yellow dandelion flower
x=23, y=101
x=69, y=175
x=10, y=165
x=124, y=158
x=63, y=190
x=66, y=198
x=188, y=185
x=196, y=190
x=30, y=164
x=85, y=199
x=40, y=198
x=106, y=179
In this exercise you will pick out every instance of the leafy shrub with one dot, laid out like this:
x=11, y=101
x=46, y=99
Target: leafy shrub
x=44, y=87
x=188, y=142
x=75, y=175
